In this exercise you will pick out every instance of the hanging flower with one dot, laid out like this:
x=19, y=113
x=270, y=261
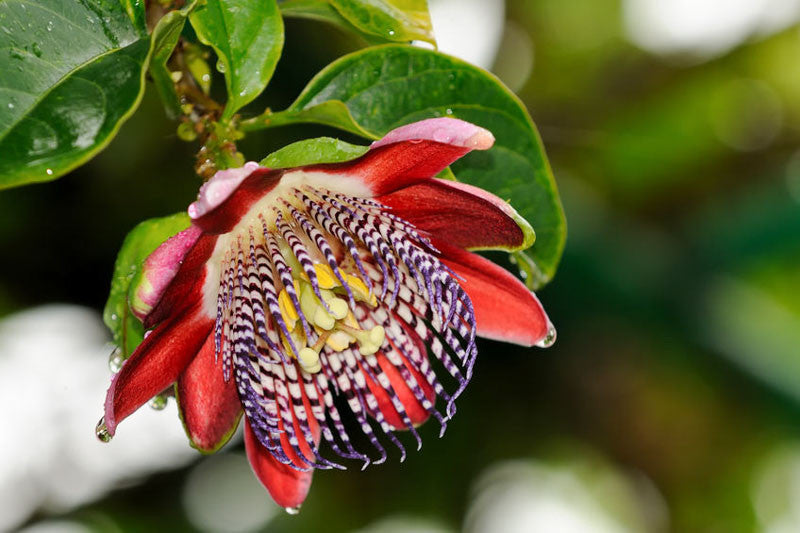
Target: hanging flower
x=294, y=286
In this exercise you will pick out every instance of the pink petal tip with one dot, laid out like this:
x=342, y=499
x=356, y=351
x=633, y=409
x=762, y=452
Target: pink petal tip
x=445, y=130
x=218, y=188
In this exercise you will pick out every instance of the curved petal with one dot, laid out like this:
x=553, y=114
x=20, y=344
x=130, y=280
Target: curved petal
x=155, y=365
x=229, y=195
x=185, y=289
x=287, y=486
x=208, y=405
x=461, y=215
x=406, y=155
x=505, y=309
x=414, y=153
x=160, y=268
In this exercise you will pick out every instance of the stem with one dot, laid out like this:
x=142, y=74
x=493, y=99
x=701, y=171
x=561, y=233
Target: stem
x=270, y=119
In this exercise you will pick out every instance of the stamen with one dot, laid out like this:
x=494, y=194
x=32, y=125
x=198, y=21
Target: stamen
x=315, y=260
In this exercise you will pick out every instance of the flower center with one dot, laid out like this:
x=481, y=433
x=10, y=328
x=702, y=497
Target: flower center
x=324, y=292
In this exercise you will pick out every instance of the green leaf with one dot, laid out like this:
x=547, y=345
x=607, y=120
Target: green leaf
x=375, y=20
x=165, y=37
x=387, y=86
x=247, y=36
x=126, y=329
x=394, y=20
x=72, y=72
x=312, y=152
x=331, y=113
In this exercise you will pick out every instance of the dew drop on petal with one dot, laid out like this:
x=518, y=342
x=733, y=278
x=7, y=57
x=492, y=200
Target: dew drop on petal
x=293, y=510
x=115, y=360
x=158, y=402
x=101, y=431
x=548, y=339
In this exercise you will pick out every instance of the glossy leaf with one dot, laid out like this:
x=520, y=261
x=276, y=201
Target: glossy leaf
x=125, y=328
x=387, y=86
x=165, y=37
x=375, y=20
x=313, y=151
x=247, y=36
x=70, y=74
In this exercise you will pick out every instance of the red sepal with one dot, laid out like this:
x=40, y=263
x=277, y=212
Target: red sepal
x=457, y=214
x=209, y=406
x=505, y=309
x=155, y=364
x=287, y=486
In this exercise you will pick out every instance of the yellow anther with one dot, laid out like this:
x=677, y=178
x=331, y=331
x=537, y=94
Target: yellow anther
x=339, y=340
x=326, y=277
x=288, y=312
x=298, y=338
x=338, y=307
x=309, y=360
x=370, y=341
x=360, y=291
x=323, y=319
x=374, y=340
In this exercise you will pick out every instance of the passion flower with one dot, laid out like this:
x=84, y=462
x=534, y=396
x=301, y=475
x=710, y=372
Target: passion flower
x=295, y=286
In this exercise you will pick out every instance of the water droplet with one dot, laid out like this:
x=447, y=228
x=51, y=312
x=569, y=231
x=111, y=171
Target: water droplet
x=115, y=360
x=242, y=93
x=159, y=402
x=16, y=54
x=49, y=171
x=10, y=105
x=37, y=50
x=49, y=25
x=221, y=67
x=449, y=111
x=391, y=33
x=548, y=339
x=292, y=510
x=102, y=431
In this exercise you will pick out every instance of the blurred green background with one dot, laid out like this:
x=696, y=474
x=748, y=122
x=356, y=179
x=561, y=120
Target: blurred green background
x=671, y=400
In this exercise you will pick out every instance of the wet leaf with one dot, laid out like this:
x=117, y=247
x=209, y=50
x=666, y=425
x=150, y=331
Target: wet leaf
x=72, y=72
x=165, y=37
x=376, y=20
x=314, y=151
x=247, y=36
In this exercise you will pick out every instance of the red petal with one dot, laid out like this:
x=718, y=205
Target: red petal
x=504, y=308
x=155, y=365
x=412, y=153
x=222, y=209
x=287, y=486
x=186, y=288
x=461, y=215
x=416, y=413
x=160, y=268
x=209, y=407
